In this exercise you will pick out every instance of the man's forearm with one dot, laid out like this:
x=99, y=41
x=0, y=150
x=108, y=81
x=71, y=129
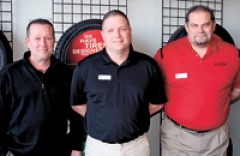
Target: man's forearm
x=76, y=153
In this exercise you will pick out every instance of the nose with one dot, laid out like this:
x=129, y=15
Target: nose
x=43, y=42
x=117, y=32
x=200, y=29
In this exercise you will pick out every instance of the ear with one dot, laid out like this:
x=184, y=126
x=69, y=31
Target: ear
x=27, y=41
x=214, y=26
x=102, y=35
x=186, y=27
x=130, y=32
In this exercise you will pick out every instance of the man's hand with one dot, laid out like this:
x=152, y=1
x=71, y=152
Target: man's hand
x=76, y=153
x=235, y=94
x=80, y=109
x=153, y=109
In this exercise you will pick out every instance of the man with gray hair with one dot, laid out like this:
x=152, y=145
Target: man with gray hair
x=34, y=101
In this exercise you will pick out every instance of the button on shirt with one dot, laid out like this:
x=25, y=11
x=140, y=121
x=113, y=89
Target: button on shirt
x=117, y=97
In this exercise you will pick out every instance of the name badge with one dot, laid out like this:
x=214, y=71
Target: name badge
x=104, y=77
x=181, y=75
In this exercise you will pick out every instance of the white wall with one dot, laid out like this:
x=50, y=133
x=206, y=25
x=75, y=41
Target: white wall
x=145, y=17
x=231, y=19
x=231, y=23
x=23, y=12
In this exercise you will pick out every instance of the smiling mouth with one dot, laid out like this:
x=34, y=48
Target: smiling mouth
x=118, y=41
x=43, y=50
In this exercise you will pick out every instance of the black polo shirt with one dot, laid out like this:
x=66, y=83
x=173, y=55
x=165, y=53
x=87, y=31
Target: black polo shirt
x=117, y=97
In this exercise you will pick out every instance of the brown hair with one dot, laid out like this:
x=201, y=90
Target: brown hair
x=115, y=13
x=200, y=8
x=39, y=21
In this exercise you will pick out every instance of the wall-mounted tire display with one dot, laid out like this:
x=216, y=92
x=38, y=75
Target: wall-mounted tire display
x=79, y=41
x=6, y=54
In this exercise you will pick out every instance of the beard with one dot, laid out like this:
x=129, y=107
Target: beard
x=202, y=40
x=200, y=43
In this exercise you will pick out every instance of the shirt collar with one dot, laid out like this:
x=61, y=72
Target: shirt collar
x=27, y=54
x=106, y=59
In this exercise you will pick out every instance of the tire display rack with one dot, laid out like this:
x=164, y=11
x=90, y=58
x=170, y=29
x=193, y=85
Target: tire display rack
x=6, y=55
x=75, y=18
x=174, y=11
x=69, y=12
x=79, y=41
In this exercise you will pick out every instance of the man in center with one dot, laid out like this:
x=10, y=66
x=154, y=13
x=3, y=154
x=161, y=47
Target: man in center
x=117, y=90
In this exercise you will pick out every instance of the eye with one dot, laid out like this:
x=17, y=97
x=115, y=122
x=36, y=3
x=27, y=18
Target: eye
x=206, y=25
x=37, y=38
x=110, y=31
x=194, y=25
x=49, y=38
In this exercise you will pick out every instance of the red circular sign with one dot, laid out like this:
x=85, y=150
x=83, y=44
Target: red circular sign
x=84, y=45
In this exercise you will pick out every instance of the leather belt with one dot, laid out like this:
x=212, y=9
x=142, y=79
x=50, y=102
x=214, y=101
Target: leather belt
x=177, y=124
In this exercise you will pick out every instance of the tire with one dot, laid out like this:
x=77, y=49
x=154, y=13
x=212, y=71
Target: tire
x=219, y=30
x=6, y=54
x=3, y=58
x=71, y=34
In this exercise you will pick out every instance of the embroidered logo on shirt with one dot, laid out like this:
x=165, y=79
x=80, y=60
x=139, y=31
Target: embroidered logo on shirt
x=181, y=75
x=104, y=77
x=220, y=63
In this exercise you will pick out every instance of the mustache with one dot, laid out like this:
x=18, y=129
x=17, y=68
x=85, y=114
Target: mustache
x=201, y=34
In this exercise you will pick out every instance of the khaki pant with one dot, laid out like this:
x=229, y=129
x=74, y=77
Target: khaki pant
x=137, y=147
x=178, y=141
x=9, y=154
